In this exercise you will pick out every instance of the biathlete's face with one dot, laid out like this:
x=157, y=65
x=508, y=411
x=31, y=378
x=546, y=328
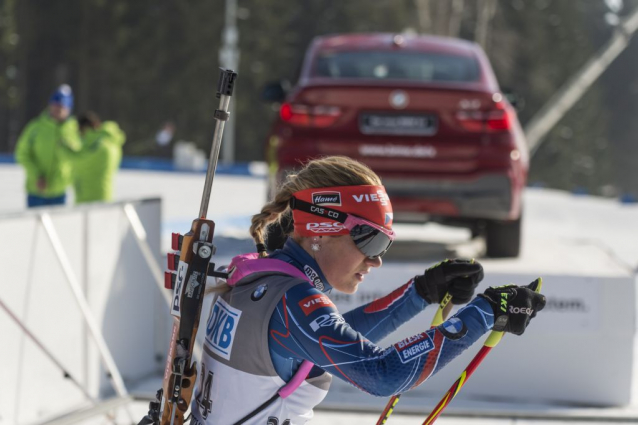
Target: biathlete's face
x=342, y=262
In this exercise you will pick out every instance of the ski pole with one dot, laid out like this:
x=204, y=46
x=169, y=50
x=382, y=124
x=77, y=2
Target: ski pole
x=439, y=317
x=492, y=340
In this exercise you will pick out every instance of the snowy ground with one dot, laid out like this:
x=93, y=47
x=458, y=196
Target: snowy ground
x=591, y=235
x=324, y=417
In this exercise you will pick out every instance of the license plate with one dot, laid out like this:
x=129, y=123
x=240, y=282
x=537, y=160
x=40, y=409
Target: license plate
x=403, y=125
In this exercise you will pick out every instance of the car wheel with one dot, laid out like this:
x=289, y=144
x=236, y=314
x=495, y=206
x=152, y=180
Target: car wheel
x=503, y=238
x=277, y=233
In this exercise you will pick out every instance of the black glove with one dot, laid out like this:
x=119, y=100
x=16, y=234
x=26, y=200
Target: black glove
x=514, y=306
x=459, y=277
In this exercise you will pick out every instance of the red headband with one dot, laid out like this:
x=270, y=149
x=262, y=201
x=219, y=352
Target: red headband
x=365, y=201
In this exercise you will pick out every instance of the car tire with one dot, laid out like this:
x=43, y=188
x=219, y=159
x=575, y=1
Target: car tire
x=503, y=238
x=277, y=233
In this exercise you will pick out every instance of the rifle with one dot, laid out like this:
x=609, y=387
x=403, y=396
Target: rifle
x=196, y=248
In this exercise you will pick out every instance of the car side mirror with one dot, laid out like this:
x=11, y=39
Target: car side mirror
x=514, y=99
x=275, y=92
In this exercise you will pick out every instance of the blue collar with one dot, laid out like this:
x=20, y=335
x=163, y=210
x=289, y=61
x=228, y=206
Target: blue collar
x=292, y=253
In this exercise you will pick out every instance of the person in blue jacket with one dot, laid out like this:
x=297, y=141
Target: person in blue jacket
x=275, y=316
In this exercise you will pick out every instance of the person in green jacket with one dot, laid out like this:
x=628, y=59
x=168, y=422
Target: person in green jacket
x=94, y=168
x=45, y=148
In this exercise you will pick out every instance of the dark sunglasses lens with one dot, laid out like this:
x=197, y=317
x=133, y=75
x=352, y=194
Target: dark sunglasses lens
x=370, y=241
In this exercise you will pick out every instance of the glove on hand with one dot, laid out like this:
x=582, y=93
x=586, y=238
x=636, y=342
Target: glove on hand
x=514, y=306
x=459, y=277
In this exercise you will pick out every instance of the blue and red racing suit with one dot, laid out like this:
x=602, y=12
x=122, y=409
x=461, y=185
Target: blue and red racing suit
x=306, y=326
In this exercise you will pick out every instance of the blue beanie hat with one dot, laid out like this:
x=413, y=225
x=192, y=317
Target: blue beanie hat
x=63, y=96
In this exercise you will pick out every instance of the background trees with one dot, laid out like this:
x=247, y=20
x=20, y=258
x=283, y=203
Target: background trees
x=145, y=62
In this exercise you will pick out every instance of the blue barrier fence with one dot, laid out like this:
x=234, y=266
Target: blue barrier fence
x=245, y=169
x=162, y=164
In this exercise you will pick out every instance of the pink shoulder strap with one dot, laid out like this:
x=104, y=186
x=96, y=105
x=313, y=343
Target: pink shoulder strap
x=297, y=379
x=247, y=264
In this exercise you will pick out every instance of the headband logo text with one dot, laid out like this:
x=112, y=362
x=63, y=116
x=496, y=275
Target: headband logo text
x=380, y=196
x=325, y=227
x=321, y=211
x=326, y=198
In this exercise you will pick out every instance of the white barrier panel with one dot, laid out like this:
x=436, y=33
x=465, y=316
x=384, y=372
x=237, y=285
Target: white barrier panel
x=122, y=297
x=579, y=350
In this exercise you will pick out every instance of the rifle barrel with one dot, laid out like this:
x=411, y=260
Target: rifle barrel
x=224, y=101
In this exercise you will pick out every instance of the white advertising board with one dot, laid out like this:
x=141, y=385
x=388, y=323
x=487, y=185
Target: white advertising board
x=579, y=350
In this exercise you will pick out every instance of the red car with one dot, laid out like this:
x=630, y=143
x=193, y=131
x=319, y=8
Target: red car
x=425, y=113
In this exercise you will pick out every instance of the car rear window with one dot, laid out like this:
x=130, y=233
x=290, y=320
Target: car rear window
x=382, y=65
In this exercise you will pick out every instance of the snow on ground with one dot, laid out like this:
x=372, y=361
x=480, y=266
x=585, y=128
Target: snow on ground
x=324, y=417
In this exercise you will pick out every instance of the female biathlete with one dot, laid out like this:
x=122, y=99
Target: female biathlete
x=276, y=313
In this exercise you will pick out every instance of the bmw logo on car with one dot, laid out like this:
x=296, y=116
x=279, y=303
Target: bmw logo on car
x=399, y=99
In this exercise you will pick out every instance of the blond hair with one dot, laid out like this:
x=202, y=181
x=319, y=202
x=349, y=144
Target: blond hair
x=325, y=172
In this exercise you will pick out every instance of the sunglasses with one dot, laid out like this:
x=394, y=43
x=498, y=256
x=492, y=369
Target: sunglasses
x=371, y=239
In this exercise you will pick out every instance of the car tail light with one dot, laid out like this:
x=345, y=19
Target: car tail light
x=500, y=118
x=495, y=120
x=309, y=116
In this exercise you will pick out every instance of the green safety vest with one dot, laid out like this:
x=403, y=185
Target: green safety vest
x=95, y=166
x=44, y=149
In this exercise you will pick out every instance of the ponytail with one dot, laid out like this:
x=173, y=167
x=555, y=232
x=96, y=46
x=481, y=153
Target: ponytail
x=270, y=213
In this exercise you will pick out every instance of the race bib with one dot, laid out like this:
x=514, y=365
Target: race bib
x=221, y=327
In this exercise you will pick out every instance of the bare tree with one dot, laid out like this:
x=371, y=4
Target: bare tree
x=486, y=11
x=424, y=16
x=456, y=16
x=84, y=68
x=440, y=17
x=441, y=14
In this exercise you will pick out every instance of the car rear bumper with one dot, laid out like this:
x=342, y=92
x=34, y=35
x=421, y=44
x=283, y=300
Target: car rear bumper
x=489, y=196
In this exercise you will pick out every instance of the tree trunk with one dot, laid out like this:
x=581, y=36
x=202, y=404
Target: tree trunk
x=441, y=15
x=84, y=62
x=454, y=27
x=486, y=11
x=423, y=8
x=24, y=28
